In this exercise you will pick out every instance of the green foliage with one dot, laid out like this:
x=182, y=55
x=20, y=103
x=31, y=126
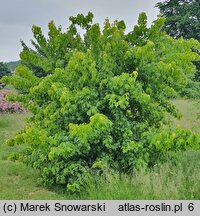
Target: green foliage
x=182, y=20
x=12, y=65
x=98, y=97
x=192, y=90
x=164, y=181
x=164, y=143
x=4, y=71
x=183, y=17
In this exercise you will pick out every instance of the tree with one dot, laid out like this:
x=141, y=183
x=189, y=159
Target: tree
x=12, y=65
x=182, y=20
x=182, y=17
x=53, y=52
x=102, y=99
x=4, y=70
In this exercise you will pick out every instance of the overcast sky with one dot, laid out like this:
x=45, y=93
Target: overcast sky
x=18, y=16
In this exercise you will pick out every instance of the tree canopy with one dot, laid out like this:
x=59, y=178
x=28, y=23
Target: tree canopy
x=182, y=17
x=182, y=20
x=100, y=100
x=12, y=65
x=4, y=70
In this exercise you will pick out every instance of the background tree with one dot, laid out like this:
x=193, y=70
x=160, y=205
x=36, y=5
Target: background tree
x=182, y=20
x=12, y=65
x=4, y=70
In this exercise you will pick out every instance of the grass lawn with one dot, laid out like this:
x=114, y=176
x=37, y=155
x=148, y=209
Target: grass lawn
x=16, y=180
x=189, y=110
x=165, y=182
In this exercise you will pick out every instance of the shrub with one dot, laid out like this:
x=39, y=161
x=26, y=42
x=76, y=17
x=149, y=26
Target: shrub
x=6, y=106
x=191, y=90
x=98, y=98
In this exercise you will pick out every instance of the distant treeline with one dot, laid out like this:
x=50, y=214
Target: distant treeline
x=12, y=65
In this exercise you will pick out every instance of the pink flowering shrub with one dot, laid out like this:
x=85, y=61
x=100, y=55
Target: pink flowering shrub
x=6, y=106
